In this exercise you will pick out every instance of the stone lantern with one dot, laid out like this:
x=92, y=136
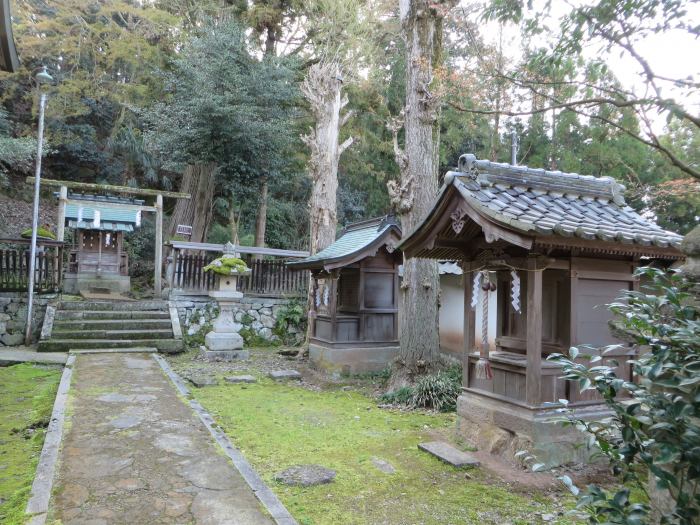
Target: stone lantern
x=224, y=341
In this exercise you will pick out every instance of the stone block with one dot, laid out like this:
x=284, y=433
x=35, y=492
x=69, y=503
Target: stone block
x=216, y=341
x=306, y=475
x=281, y=375
x=201, y=380
x=4, y=317
x=224, y=355
x=3, y=327
x=449, y=454
x=267, y=322
x=15, y=339
x=240, y=379
x=266, y=311
x=351, y=360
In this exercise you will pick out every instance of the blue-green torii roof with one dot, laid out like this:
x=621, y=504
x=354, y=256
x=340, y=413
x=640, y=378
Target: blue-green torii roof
x=356, y=241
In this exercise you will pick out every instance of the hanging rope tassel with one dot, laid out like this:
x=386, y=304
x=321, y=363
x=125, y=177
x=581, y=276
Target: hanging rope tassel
x=482, y=368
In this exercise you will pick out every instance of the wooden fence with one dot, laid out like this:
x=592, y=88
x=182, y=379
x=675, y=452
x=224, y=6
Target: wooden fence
x=268, y=277
x=14, y=266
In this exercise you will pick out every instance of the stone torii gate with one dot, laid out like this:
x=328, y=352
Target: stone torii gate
x=157, y=207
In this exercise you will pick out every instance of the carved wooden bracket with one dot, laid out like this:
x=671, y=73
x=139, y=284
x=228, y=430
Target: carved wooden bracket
x=457, y=217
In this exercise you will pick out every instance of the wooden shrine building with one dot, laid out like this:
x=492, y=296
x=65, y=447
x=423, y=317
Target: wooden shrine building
x=100, y=219
x=97, y=256
x=354, y=316
x=555, y=248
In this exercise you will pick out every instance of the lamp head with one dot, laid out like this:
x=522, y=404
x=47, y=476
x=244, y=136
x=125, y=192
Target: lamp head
x=43, y=77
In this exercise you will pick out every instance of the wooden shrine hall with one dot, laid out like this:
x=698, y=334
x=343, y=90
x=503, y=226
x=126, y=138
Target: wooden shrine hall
x=555, y=248
x=100, y=219
x=97, y=256
x=354, y=317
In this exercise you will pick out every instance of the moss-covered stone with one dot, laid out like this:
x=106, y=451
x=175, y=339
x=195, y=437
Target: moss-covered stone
x=41, y=233
x=227, y=265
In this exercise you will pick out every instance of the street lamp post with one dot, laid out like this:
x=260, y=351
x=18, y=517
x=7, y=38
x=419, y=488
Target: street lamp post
x=42, y=78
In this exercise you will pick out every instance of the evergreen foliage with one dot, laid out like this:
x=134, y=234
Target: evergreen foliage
x=653, y=434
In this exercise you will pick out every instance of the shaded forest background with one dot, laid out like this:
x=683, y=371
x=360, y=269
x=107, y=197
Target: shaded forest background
x=148, y=95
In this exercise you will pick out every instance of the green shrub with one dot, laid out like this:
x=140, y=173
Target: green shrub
x=400, y=396
x=292, y=315
x=438, y=391
x=654, y=432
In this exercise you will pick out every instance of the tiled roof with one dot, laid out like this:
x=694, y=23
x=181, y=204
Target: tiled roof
x=353, y=239
x=107, y=214
x=539, y=202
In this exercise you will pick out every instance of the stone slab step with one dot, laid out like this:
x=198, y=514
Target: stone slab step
x=110, y=324
x=131, y=350
x=113, y=306
x=64, y=315
x=168, y=346
x=449, y=454
x=159, y=333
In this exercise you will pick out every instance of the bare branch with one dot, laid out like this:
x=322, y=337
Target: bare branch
x=345, y=145
x=344, y=118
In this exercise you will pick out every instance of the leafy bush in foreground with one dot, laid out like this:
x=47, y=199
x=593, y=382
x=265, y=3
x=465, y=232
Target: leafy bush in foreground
x=654, y=431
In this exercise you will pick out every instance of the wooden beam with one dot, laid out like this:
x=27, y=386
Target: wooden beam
x=533, y=373
x=61, y=219
x=158, y=285
x=211, y=247
x=108, y=188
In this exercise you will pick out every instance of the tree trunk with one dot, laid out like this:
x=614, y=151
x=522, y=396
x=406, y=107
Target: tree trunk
x=322, y=88
x=261, y=219
x=197, y=180
x=421, y=21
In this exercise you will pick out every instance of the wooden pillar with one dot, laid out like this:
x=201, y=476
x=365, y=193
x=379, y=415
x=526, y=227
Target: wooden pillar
x=361, y=301
x=573, y=304
x=469, y=323
x=61, y=220
x=533, y=373
x=332, y=288
x=157, y=283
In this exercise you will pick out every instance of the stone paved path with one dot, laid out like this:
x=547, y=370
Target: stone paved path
x=135, y=453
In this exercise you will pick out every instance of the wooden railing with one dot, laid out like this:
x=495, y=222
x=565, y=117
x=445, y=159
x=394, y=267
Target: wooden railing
x=14, y=265
x=269, y=277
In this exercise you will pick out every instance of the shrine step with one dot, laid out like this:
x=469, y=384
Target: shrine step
x=449, y=454
x=62, y=315
x=167, y=346
x=159, y=333
x=113, y=306
x=111, y=324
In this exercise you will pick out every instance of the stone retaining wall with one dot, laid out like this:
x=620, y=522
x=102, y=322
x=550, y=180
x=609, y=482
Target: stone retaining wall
x=13, y=316
x=258, y=314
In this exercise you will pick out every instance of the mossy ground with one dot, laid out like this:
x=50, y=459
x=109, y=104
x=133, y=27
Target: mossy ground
x=279, y=425
x=27, y=394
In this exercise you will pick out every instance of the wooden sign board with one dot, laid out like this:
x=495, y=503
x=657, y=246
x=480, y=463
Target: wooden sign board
x=183, y=229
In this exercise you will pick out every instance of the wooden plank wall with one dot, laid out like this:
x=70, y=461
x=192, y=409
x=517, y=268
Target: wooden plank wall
x=268, y=277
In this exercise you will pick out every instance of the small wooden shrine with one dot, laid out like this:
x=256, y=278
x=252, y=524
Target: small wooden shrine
x=554, y=248
x=97, y=257
x=354, y=316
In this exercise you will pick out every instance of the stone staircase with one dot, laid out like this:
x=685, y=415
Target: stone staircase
x=87, y=325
